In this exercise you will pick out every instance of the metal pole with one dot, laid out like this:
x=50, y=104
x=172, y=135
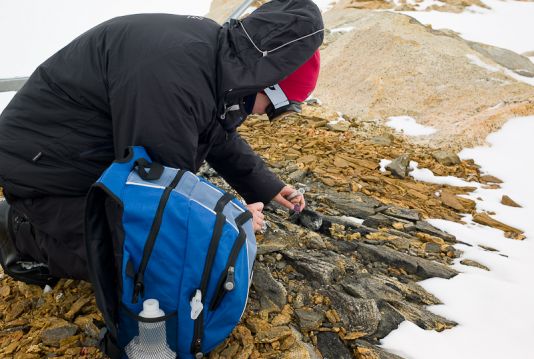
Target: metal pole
x=14, y=84
x=240, y=10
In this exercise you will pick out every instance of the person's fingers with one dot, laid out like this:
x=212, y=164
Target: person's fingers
x=284, y=202
x=260, y=215
x=257, y=206
x=258, y=227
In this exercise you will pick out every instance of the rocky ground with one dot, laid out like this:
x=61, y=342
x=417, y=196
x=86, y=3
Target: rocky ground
x=329, y=282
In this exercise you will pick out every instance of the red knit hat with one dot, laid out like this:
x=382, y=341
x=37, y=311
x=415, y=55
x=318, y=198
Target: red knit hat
x=300, y=84
x=287, y=95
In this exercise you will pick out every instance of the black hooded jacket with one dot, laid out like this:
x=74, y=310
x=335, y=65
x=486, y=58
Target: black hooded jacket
x=155, y=80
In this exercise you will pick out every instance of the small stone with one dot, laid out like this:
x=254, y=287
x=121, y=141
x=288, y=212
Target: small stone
x=281, y=319
x=332, y=316
x=399, y=167
x=430, y=247
x=507, y=201
x=383, y=140
x=446, y=158
x=314, y=241
x=450, y=200
x=257, y=325
x=331, y=347
x=472, y=263
x=488, y=248
x=297, y=176
x=490, y=179
x=59, y=329
x=310, y=219
x=77, y=306
x=273, y=334
x=5, y=291
x=339, y=125
x=309, y=319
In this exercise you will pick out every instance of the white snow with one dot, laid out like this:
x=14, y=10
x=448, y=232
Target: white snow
x=5, y=97
x=409, y=126
x=509, y=24
x=352, y=220
x=343, y=29
x=474, y=59
x=31, y=31
x=426, y=175
x=325, y=5
x=337, y=120
x=495, y=309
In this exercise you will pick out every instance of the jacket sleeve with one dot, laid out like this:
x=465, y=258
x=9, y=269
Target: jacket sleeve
x=152, y=110
x=242, y=168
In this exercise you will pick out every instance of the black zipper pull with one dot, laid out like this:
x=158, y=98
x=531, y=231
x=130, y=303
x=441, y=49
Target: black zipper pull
x=229, y=283
x=138, y=287
x=197, y=345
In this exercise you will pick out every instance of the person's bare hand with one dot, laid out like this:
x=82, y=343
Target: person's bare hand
x=257, y=215
x=289, y=197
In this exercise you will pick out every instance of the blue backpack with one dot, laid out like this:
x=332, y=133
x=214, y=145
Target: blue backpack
x=154, y=232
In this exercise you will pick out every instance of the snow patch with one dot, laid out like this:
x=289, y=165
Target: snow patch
x=383, y=164
x=508, y=24
x=342, y=29
x=475, y=60
x=352, y=220
x=494, y=306
x=426, y=175
x=5, y=98
x=409, y=126
x=325, y=5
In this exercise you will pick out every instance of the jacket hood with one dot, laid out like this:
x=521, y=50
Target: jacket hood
x=243, y=69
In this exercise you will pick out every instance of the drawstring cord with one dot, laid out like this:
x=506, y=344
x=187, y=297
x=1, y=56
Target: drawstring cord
x=264, y=53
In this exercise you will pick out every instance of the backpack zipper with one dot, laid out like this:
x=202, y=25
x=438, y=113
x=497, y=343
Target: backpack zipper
x=226, y=281
x=152, y=235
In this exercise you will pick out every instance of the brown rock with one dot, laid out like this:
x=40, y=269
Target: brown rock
x=273, y=334
x=449, y=199
x=77, y=306
x=507, y=201
x=446, y=158
x=58, y=330
x=472, y=263
x=510, y=232
x=489, y=179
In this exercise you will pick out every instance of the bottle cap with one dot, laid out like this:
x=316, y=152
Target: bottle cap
x=151, y=309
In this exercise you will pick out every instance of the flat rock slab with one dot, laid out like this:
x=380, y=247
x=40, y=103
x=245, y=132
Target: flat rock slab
x=331, y=347
x=59, y=330
x=427, y=228
x=268, y=287
x=422, y=267
x=509, y=231
x=309, y=319
x=403, y=213
x=472, y=263
x=314, y=265
x=359, y=315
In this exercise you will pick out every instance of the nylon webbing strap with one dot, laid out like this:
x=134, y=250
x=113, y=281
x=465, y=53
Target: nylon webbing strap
x=196, y=344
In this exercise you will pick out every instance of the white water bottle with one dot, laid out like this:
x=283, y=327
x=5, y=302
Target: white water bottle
x=151, y=343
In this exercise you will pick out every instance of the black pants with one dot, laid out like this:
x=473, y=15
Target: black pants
x=50, y=230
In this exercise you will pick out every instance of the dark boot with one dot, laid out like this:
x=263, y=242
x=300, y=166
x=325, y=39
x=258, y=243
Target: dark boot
x=17, y=266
